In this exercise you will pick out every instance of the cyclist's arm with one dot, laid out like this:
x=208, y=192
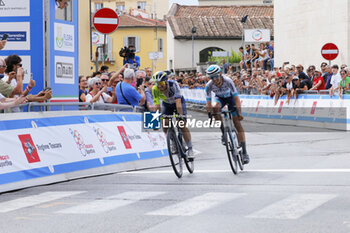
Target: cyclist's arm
x=238, y=106
x=208, y=96
x=179, y=106
x=156, y=98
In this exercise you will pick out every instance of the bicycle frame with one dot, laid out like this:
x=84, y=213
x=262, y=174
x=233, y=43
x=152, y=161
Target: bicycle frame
x=179, y=136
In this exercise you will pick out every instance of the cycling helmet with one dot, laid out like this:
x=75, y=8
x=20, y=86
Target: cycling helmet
x=160, y=76
x=213, y=70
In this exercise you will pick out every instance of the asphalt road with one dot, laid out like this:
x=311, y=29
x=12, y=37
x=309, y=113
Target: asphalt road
x=296, y=182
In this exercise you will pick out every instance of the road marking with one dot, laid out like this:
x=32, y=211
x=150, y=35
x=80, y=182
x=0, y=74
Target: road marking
x=109, y=203
x=335, y=170
x=196, y=205
x=34, y=200
x=293, y=207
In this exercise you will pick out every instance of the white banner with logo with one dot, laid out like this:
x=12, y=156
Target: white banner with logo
x=18, y=35
x=64, y=70
x=51, y=146
x=64, y=37
x=15, y=8
x=257, y=35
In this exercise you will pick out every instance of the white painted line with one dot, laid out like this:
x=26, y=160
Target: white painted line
x=325, y=170
x=329, y=51
x=106, y=21
x=109, y=203
x=197, y=204
x=340, y=170
x=293, y=207
x=34, y=200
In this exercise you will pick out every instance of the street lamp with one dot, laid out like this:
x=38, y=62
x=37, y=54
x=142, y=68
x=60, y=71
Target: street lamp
x=243, y=20
x=194, y=30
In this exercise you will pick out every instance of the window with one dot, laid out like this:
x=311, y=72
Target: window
x=133, y=41
x=141, y=6
x=65, y=13
x=98, y=6
x=160, y=45
x=120, y=6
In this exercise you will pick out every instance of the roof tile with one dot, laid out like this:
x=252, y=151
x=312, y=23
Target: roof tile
x=218, y=21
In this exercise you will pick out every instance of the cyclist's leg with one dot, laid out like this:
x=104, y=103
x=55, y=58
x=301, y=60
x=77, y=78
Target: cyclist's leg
x=185, y=131
x=167, y=111
x=217, y=111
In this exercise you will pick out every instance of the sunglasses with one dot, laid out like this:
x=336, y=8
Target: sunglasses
x=215, y=76
x=97, y=84
x=342, y=74
x=19, y=65
x=104, y=80
x=161, y=83
x=3, y=66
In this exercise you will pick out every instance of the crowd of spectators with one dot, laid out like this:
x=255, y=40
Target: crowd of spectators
x=131, y=87
x=127, y=86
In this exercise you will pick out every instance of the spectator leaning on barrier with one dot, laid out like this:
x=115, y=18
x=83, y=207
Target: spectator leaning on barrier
x=7, y=89
x=97, y=95
x=335, y=80
x=127, y=94
x=301, y=74
x=82, y=88
x=344, y=83
x=328, y=77
x=318, y=82
x=10, y=102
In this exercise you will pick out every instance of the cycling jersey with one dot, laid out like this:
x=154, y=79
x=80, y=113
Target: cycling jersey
x=173, y=94
x=169, y=103
x=226, y=90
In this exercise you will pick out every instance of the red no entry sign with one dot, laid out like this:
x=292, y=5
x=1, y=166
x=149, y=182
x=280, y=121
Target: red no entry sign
x=106, y=20
x=329, y=51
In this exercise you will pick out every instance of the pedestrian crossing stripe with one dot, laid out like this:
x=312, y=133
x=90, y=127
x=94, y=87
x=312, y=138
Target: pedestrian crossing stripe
x=292, y=207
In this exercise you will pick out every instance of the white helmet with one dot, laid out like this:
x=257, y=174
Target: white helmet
x=213, y=70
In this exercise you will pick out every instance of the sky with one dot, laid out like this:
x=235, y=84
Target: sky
x=183, y=2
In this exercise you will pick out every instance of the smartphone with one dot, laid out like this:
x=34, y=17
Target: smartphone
x=109, y=89
x=31, y=76
x=287, y=62
x=139, y=82
x=47, y=89
x=5, y=36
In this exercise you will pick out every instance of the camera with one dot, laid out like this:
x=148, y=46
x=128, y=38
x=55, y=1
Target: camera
x=127, y=53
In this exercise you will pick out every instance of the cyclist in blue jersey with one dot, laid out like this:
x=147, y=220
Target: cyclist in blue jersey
x=225, y=94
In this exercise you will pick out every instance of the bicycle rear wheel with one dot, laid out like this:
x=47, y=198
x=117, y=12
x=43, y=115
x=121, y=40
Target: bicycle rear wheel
x=174, y=153
x=232, y=157
x=238, y=151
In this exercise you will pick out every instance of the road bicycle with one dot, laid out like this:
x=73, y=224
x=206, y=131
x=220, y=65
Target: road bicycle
x=233, y=147
x=177, y=148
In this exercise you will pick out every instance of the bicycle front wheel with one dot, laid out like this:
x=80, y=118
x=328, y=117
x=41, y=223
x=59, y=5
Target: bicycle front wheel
x=188, y=162
x=238, y=150
x=174, y=153
x=232, y=156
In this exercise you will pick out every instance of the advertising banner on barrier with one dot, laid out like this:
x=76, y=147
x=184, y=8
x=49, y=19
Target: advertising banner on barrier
x=59, y=145
x=322, y=111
